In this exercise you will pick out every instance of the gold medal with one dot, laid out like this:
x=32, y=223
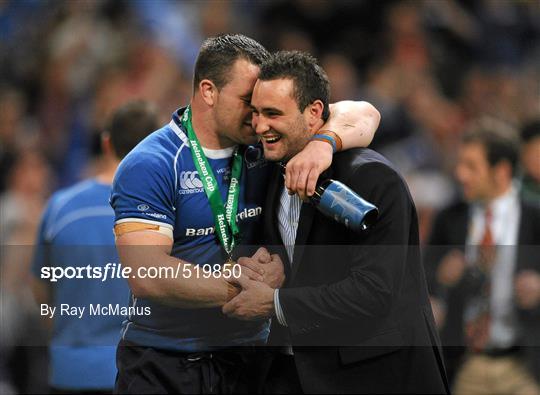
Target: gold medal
x=229, y=264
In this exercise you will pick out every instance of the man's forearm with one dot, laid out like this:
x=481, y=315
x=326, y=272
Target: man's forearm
x=193, y=292
x=355, y=122
x=179, y=284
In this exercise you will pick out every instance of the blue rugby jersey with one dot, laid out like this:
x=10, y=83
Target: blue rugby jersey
x=75, y=231
x=158, y=183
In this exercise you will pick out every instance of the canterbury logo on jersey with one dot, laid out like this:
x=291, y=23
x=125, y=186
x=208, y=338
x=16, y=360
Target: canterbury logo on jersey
x=190, y=183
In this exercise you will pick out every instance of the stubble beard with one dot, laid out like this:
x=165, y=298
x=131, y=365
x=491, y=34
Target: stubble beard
x=297, y=143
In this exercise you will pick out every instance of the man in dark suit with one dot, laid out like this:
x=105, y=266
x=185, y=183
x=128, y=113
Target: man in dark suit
x=354, y=315
x=488, y=290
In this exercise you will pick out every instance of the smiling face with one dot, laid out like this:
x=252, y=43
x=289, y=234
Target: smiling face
x=284, y=130
x=232, y=106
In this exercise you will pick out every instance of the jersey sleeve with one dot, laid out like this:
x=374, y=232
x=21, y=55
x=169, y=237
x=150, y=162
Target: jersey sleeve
x=143, y=190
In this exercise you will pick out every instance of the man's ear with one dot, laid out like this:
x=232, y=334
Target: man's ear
x=315, y=112
x=107, y=148
x=208, y=92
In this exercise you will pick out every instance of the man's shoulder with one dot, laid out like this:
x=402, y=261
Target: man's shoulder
x=73, y=190
x=83, y=199
x=455, y=213
x=530, y=208
x=351, y=161
x=456, y=207
x=77, y=194
x=163, y=143
x=530, y=213
x=371, y=175
x=156, y=153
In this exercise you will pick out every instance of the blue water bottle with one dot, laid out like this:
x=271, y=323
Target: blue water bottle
x=337, y=201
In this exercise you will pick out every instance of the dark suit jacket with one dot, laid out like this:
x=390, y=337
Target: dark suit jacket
x=357, y=304
x=449, y=232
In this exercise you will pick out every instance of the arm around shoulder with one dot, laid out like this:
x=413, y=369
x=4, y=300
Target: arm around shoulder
x=355, y=122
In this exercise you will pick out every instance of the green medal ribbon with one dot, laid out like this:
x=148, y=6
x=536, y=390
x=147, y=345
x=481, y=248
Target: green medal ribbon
x=224, y=215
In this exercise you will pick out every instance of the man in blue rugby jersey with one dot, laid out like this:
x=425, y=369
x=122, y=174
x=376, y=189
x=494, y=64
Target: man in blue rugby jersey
x=192, y=194
x=76, y=231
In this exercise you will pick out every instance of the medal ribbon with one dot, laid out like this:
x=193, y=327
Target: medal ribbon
x=224, y=215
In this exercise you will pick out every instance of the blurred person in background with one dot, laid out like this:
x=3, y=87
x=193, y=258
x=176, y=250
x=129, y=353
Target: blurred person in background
x=530, y=160
x=486, y=288
x=18, y=132
x=431, y=192
x=342, y=75
x=28, y=182
x=76, y=230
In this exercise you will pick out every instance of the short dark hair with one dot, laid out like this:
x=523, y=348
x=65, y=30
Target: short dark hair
x=310, y=80
x=130, y=124
x=500, y=140
x=218, y=54
x=530, y=131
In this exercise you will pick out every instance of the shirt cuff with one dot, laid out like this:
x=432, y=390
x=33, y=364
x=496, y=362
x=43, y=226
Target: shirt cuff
x=279, y=311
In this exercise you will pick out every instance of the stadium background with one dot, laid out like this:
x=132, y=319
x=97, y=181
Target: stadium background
x=430, y=67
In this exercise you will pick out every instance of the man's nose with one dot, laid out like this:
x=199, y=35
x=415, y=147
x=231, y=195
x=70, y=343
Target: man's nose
x=260, y=125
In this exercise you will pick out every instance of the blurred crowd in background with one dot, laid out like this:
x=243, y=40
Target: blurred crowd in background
x=430, y=67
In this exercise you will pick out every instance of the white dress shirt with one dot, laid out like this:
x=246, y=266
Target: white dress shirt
x=288, y=214
x=506, y=212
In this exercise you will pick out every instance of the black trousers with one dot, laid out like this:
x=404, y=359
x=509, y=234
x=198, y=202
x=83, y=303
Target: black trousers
x=281, y=375
x=146, y=370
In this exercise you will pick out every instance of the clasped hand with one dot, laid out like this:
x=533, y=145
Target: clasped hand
x=263, y=267
x=261, y=274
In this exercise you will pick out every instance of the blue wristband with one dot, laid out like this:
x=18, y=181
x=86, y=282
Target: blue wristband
x=326, y=137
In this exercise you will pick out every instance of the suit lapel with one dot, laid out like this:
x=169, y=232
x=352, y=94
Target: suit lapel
x=271, y=204
x=307, y=213
x=525, y=230
x=525, y=239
